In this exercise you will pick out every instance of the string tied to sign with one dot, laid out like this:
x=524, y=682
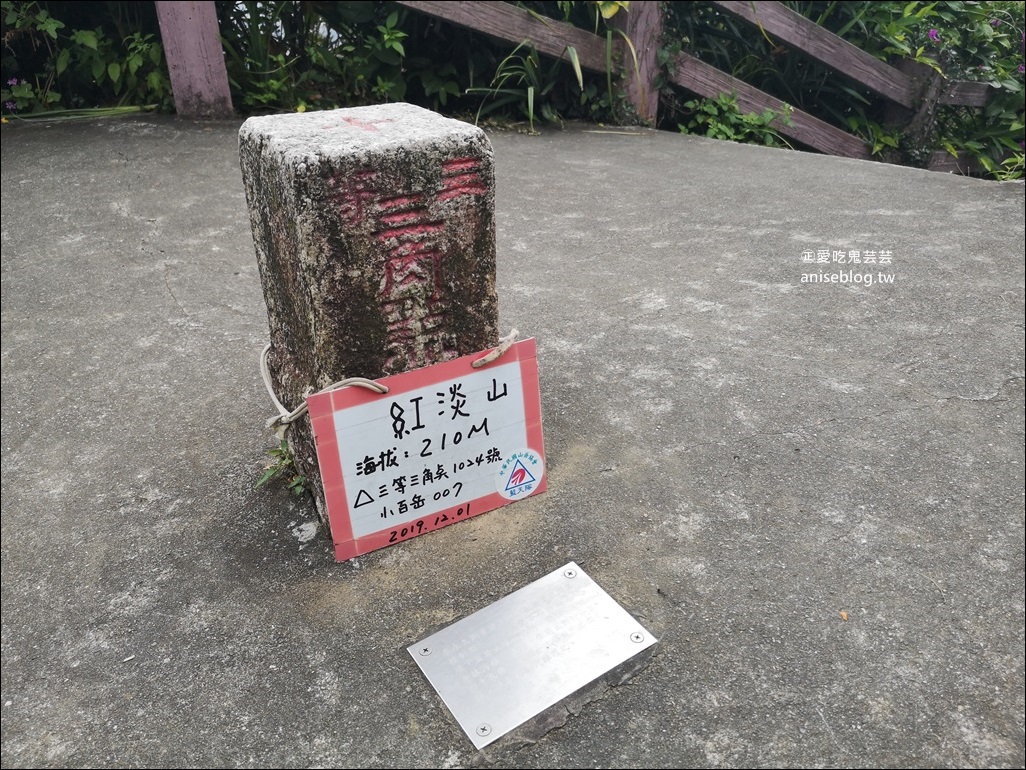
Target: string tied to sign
x=285, y=417
x=505, y=343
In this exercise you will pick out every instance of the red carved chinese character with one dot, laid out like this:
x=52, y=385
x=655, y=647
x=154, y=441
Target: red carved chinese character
x=461, y=176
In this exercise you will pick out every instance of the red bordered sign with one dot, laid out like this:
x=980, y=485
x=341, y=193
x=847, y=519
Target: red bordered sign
x=446, y=442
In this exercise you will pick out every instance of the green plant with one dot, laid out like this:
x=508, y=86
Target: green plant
x=546, y=92
x=282, y=466
x=600, y=18
x=385, y=48
x=131, y=69
x=50, y=65
x=980, y=41
x=594, y=11
x=296, y=56
x=36, y=27
x=288, y=55
x=880, y=139
x=438, y=83
x=521, y=80
x=721, y=118
x=267, y=53
x=1011, y=168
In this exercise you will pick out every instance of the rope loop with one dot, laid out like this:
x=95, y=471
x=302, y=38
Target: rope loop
x=284, y=418
x=504, y=344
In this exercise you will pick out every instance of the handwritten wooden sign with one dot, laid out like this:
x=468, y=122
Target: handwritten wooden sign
x=446, y=442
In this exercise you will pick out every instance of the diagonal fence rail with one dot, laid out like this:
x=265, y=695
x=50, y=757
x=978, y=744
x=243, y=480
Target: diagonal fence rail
x=914, y=95
x=912, y=92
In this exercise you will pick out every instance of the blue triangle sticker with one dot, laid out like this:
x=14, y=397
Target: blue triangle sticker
x=519, y=476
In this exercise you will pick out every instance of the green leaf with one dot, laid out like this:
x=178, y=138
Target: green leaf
x=269, y=474
x=609, y=9
x=922, y=12
x=50, y=27
x=114, y=70
x=576, y=64
x=62, y=60
x=86, y=37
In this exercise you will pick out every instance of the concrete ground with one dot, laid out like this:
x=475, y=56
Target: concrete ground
x=812, y=493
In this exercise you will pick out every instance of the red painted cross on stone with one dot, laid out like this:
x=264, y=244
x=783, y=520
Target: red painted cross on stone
x=366, y=125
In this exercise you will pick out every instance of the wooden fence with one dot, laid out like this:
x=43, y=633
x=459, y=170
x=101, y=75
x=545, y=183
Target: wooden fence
x=912, y=91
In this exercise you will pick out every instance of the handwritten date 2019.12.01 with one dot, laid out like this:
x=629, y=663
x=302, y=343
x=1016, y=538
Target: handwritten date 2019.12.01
x=421, y=526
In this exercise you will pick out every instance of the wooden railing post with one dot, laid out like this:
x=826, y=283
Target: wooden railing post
x=916, y=122
x=643, y=26
x=195, y=58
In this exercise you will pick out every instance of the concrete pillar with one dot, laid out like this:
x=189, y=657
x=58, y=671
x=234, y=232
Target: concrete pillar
x=375, y=237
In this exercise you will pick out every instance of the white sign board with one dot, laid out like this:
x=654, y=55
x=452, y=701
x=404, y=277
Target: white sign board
x=446, y=442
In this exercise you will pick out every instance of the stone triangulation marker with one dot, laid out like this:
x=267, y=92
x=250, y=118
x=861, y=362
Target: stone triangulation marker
x=375, y=236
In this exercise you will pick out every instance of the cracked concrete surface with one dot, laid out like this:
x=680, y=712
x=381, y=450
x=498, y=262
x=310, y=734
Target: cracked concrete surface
x=811, y=493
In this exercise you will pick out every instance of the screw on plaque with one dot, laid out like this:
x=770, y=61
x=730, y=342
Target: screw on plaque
x=569, y=573
x=425, y=650
x=484, y=729
x=637, y=637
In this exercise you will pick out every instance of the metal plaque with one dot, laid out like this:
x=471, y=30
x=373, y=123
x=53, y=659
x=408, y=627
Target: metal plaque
x=513, y=659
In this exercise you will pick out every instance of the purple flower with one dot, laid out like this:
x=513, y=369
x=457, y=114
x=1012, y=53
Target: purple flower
x=1022, y=68
x=934, y=35
x=11, y=106
x=12, y=82
x=995, y=22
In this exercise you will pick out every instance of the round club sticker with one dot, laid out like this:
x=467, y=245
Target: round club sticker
x=520, y=474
